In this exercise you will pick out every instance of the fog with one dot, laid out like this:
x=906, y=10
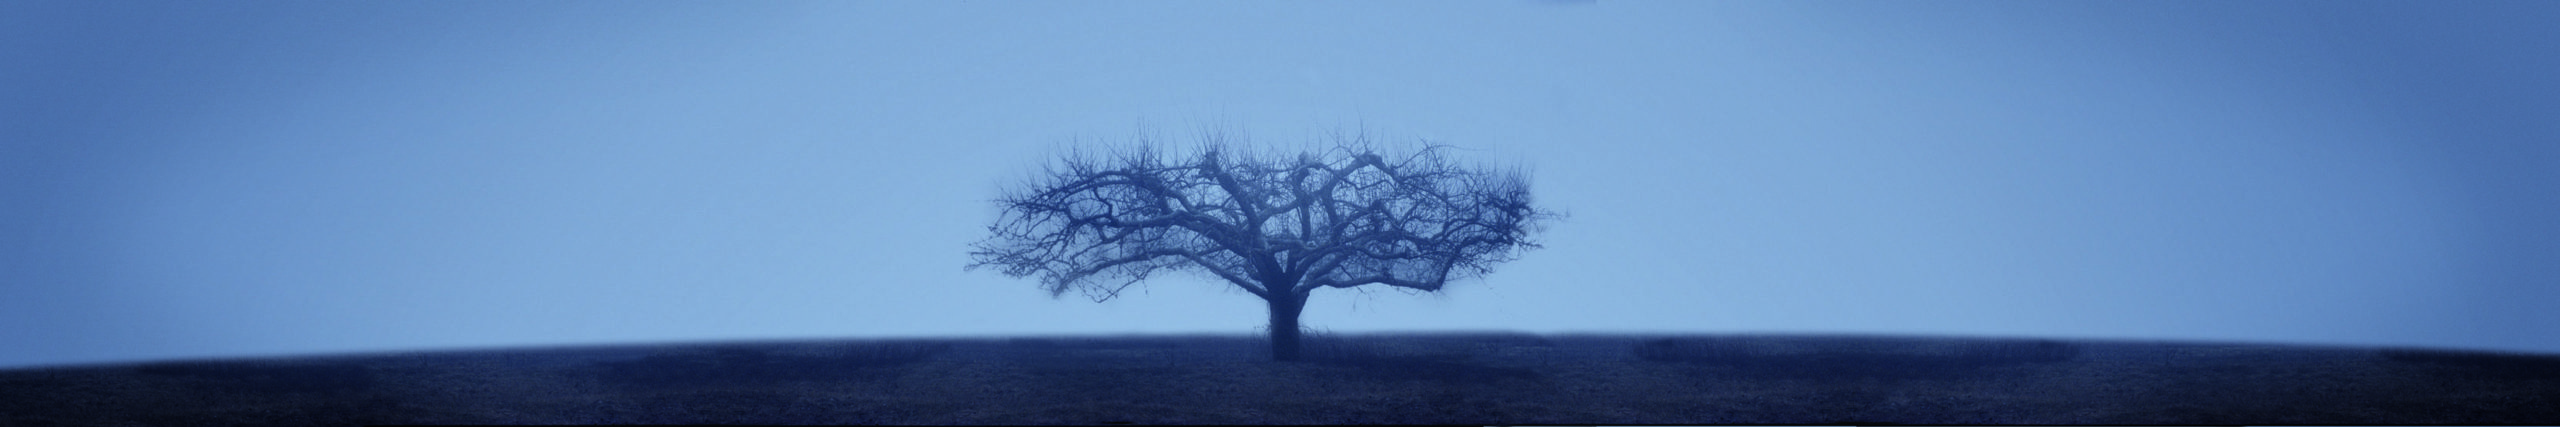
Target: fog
x=193, y=180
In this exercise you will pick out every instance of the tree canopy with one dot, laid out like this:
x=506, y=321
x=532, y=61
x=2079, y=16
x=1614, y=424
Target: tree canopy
x=1276, y=225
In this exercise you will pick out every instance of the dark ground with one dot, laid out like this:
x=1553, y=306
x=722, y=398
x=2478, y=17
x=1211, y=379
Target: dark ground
x=1375, y=379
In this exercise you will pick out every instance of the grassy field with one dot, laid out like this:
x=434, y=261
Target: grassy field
x=1375, y=379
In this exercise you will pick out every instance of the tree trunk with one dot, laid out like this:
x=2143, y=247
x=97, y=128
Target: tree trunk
x=1284, y=325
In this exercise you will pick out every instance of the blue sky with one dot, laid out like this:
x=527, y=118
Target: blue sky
x=183, y=180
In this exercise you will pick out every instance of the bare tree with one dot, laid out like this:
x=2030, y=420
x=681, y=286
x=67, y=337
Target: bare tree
x=1278, y=226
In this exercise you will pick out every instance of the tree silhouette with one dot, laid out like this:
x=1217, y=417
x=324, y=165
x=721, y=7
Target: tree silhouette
x=1278, y=226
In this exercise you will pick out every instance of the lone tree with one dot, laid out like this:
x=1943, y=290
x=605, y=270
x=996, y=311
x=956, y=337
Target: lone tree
x=1277, y=226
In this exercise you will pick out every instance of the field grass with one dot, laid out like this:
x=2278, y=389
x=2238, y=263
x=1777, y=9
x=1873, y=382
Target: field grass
x=1371, y=379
